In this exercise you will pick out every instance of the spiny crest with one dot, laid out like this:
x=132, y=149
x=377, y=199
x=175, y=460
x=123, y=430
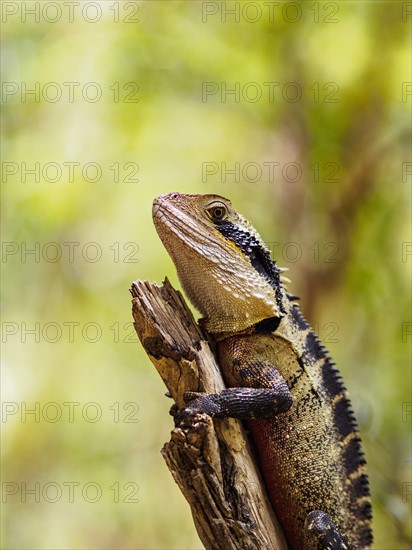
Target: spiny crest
x=347, y=427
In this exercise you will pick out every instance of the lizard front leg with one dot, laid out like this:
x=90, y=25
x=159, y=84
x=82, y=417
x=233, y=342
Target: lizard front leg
x=252, y=400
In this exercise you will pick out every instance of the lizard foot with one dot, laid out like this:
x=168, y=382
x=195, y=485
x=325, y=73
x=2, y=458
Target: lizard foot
x=322, y=534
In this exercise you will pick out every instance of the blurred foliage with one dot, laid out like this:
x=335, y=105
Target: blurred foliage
x=335, y=209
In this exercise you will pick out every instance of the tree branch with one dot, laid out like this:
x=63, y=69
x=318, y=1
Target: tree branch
x=211, y=461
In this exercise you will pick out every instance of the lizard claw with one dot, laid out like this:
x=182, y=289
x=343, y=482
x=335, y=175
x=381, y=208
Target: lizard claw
x=184, y=418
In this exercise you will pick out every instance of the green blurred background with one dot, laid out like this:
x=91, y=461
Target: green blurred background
x=299, y=112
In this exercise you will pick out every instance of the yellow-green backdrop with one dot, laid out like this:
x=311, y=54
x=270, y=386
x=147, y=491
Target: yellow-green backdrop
x=300, y=113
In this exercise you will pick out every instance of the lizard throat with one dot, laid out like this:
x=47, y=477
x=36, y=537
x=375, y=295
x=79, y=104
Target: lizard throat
x=258, y=255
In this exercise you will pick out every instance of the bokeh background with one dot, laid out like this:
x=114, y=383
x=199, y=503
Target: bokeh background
x=300, y=113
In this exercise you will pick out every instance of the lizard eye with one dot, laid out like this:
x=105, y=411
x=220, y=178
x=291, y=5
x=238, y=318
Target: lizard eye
x=217, y=212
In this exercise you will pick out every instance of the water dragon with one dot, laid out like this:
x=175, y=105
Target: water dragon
x=279, y=376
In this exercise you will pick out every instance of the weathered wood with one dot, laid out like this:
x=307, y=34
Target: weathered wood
x=211, y=461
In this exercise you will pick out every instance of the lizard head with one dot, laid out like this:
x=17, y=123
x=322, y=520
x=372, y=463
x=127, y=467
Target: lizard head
x=222, y=263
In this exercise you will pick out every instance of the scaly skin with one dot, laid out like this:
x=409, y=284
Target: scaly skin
x=302, y=425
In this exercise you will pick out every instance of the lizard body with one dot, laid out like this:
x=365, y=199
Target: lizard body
x=279, y=376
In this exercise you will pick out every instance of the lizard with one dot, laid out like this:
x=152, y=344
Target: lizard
x=280, y=378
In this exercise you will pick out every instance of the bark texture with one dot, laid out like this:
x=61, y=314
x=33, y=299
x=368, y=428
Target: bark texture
x=211, y=461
